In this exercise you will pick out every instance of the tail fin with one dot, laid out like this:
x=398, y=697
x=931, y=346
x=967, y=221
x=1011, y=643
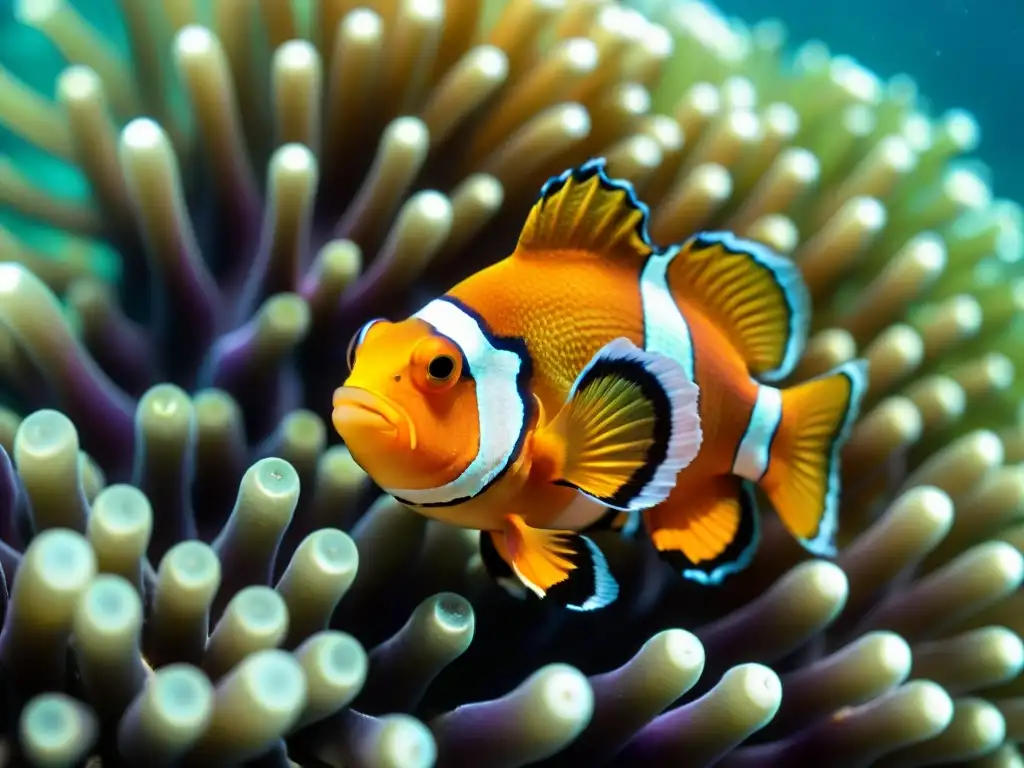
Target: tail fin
x=802, y=480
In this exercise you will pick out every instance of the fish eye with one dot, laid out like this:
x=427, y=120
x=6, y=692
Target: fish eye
x=356, y=340
x=441, y=368
x=435, y=364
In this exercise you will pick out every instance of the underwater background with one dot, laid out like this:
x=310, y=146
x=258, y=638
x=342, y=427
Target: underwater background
x=961, y=53
x=197, y=215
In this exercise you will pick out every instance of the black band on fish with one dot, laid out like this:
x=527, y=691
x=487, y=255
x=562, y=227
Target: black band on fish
x=501, y=370
x=657, y=452
x=590, y=585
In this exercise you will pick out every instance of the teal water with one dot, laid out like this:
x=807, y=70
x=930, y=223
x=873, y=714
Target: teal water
x=962, y=53
x=30, y=57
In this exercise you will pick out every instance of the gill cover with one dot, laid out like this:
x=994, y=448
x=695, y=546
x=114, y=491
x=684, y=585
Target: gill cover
x=500, y=369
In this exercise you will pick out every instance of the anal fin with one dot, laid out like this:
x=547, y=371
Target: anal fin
x=707, y=534
x=562, y=566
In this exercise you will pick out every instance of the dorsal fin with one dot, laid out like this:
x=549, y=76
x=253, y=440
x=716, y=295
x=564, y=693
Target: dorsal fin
x=584, y=210
x=756, y=297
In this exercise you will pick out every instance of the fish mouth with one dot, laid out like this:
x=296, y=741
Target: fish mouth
x=357, y=409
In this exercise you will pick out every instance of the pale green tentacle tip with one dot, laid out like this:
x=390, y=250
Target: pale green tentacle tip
x=215, y=408
x=889, y=651
x=343, y=659
x=123, y=509
x=564, y=694
x=453, y=612
x=64, y=559
x=405, y=742
x=273, y=477
x=757, y=689
x=182, y=695
x=165, y=408
x=304, y=429
x=193, y=564
x=275, y=680
x=43, y=434
x=56, y=731
x=111, y=605
x=679, y=648
x=260, y=609
x=334, y=550
x=339, y=660
x=285, y=315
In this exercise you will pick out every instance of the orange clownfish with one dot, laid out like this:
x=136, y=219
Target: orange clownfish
x=591, y=370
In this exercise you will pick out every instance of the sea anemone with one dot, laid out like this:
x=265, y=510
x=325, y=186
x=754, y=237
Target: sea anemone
x=193, y=569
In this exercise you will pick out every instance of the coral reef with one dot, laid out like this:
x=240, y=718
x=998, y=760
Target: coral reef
x=194, y=571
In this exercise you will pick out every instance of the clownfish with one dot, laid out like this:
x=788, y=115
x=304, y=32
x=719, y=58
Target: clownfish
x=592, y=376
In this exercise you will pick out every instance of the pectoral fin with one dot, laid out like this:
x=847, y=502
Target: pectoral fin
x=630, y=424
